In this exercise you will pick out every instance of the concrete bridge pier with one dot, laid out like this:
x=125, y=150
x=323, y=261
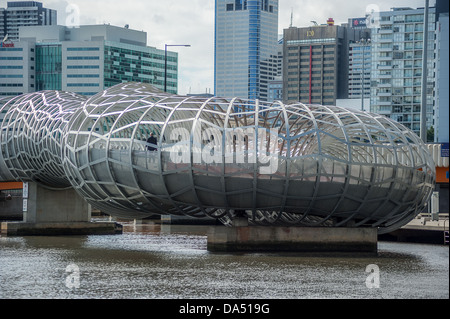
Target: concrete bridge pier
x=56, y=212
x=324, y=240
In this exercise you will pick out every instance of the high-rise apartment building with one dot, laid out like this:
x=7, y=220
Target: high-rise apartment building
x=360, y=58
x=396, y=75
x=84, y=60
x=441, y=131
x=359, y=70
x=315, y=67
x=246, y=39
x=24, y=13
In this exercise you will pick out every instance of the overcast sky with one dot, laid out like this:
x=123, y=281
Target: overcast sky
x=192, y=22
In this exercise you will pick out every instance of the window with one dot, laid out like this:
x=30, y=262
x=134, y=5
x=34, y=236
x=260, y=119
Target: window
x=230, y=7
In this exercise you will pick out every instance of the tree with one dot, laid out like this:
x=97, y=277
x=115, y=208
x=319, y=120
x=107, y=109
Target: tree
x=430, y=135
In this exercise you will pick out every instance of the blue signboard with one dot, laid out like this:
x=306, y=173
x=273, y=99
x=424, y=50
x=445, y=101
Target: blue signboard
x=359, y=23
x=444, y=150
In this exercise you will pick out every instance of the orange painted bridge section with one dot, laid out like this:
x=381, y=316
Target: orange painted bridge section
x=11, y=186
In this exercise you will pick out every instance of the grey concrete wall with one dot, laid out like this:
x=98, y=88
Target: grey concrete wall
x=45, y=205
x=299, y=239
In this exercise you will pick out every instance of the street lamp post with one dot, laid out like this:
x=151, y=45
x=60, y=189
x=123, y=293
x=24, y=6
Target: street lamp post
x=165, y=60
x=423, y=109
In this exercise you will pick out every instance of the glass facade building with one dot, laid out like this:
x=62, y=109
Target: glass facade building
x=83, y=60
x=441, y=133
x=48, y=67
x=396, y=73
x=360, y=58
x=245, y=44
x=128, y=63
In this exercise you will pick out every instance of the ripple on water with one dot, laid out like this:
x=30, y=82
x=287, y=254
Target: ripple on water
x=157, y=264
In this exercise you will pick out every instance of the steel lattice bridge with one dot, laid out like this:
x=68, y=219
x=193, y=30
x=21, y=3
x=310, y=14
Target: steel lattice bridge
x=278, y=164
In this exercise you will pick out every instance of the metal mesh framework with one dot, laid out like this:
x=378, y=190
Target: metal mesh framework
x=32, y=133
x=304, y=165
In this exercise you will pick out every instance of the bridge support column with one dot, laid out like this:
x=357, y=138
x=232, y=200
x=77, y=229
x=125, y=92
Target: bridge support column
x=56, y=212
x=293, y=239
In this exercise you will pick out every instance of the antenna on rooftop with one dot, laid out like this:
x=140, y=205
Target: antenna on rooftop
x=292, y=17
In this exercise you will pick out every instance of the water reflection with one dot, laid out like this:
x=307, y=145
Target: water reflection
x=170, y=261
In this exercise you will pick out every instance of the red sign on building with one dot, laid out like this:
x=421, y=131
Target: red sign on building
x=6, y=45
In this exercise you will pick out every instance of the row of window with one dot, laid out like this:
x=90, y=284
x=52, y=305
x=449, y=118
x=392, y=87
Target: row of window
x=239, y=5
x=83, y=75
x=71, y=67
x=11, y=58
x=11, y=67
x=312, y=91
x=309, y=41
x=9, y=94
x=312, y=72
x=83, y=58
x=83, y=49
x=83, y=84
x=306, y=85
x=12, y=85
x=11, y=49
x=138, y=55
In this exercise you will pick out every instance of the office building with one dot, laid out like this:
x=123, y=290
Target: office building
x=360, y=59
x=315, y=67
x=396, y=75
x=271, y=72
x=246, y=40
x=24, y=13
x=84, y=60
x=17, y=68
x=275, y=89
x=441, y=127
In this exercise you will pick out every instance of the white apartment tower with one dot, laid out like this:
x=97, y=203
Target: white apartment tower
x=24, y=13
x=396, y=74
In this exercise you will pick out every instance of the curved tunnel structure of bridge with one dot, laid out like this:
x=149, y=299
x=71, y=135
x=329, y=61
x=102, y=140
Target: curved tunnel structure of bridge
x=277, y=164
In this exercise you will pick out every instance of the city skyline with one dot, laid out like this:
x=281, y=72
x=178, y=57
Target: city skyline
x=182, y=22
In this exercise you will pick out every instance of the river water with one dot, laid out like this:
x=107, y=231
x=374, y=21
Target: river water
x=172, y=262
